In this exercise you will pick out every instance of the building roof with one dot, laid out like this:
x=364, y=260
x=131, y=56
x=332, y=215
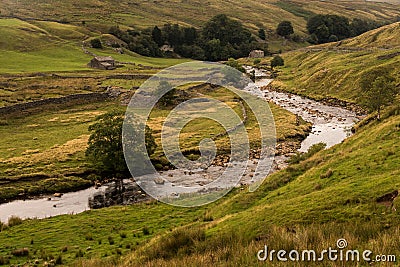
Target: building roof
x=101, y=59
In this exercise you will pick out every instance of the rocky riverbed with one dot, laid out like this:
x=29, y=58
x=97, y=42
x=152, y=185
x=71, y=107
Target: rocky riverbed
x=331, y=125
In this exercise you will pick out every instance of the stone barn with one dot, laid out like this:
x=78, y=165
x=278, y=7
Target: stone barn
x=256, y=54
x=103, y=63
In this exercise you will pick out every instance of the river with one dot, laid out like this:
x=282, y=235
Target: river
x=331, y=125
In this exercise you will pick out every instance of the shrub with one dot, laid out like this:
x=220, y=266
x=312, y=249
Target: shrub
x=145, y=231
x=111, y=240
x=96, y=43
x=14, y=220
x=257, y=61
x=122, y=235
x=277, y=61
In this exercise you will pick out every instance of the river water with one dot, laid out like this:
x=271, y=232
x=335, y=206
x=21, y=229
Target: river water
x=331, y=125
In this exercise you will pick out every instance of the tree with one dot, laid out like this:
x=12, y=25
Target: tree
x=157, y=36
x=277, y=61
x=261, y=34
x=189, y=35
x=105, y=148
x=285, y=28
x=333, y=38
x=379, y=89
x=96, y=43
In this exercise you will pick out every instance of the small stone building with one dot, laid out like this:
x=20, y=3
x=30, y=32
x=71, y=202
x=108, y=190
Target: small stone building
x=256, y=54
x=103, y=63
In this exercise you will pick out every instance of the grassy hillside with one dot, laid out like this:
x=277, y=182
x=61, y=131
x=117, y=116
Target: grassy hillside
x=386, y=37
x=39, y=46
x=329, y=196
x=102, y=14
x=335, y=71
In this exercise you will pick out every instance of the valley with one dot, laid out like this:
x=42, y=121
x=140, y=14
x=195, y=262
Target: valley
x=314, y=194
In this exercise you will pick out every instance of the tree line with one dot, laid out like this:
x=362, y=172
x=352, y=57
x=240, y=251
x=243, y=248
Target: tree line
x=332, y=28
x=219, y=39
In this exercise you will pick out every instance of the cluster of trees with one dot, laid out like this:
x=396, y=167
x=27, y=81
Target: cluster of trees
x=220, y=38
x=332, y=28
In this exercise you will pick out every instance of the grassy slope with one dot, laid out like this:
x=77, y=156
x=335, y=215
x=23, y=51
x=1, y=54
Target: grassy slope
x=299, y=198
x=299, y=208
x=38, y=46
x=192, y=12
x=330, y=73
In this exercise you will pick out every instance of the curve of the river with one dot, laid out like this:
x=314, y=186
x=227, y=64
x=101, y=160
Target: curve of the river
x=331, y=125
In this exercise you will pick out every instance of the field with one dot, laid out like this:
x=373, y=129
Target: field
x=140, y=14
x=341, y=192
x=330, y=71
x=326, y=197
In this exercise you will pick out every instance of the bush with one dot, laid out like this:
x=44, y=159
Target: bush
x=14, y=220
x=145, y=231
x=96, y=43
x=257, y=61
x=277, y=61
x=111, y=240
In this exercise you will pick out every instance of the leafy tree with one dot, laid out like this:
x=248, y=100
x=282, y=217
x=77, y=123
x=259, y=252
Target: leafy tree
x=359, y=26
x=322, y=27
x=189, y=35
x=105, y=149
x=285, y=28
x=191, y=51
x=96, y=43
x=144, y=45
x=172, y=34
x=333, y=38
x=213, y=50
x=277, y=61
x=223, y=38
x=157, y=36
x=379, y=89
x=261, y=34
x=322, y=33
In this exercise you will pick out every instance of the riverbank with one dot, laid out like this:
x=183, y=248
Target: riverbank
x=330, y=125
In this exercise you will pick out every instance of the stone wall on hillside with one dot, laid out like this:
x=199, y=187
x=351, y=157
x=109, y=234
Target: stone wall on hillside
x=80, y=98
